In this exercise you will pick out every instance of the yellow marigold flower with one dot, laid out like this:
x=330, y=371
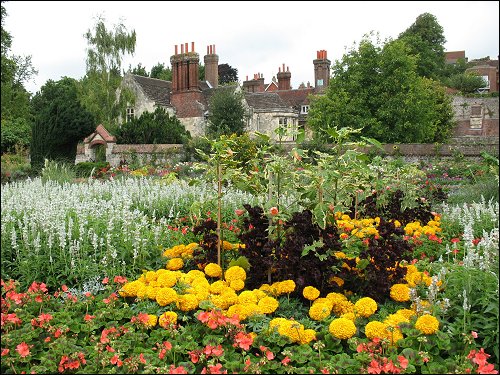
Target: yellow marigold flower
x=376, y=329
x=141, y=291
x=394, y=335
x=165, y=296
x=227, y=245
x=247, y=296
x=365, y=307
x=187, y=302
x=349, y=315
x=287, y=286
x=344, y=236
x=400, y=292
x=213, y=270
x=336, y=297
x=427, y=324
x=235, y=273
x=310, y=293
x=152, y=320
x=151, y=292
x=130, y=289
x=167, y=318
x=394, y=320
x=268, y=305
x=407, y=313
x=151, y=276
x=342, y=328
x=343, y=307
x=325, y=301
x=194, y=274
x=426, y=279
x=306, y=336
x=217, y=287
x=413, y=279
x=411, y=268
x=201, y=282
x=397, y=224
x=237, y=285
x=175, y=264
x=319, y=311
x=265, y=288
x=166, y=279
x=229, y=296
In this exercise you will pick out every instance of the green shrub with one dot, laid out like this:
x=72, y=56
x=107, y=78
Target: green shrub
x=86, y=168
x=15, y=133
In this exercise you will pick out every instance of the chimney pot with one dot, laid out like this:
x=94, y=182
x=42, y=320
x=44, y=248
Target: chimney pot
x=283, y=67
x=279, y=69
x=214, y=49
x=192, y=46
x=208, y=50
x=176, y=49
x=186, y=47
x=182, y=48
x=287, y=69
x=247, y=78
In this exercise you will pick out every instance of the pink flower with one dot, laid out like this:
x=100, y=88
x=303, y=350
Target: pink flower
x=23, y=349
x=239, y=212
x=88, y=317
x=105, y=280
x=285, y=361
x=243, y=341
x=403, y=362
x=177, y=370
x=273, y=211
x=488, y=368
x=474, y=334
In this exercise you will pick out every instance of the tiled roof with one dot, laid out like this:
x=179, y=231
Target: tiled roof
x=155, y=89
x=265, y=100
x=296, y=98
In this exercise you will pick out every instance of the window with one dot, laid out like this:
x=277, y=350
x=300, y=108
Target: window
x=476, y=117
x=304, y=109
x=319, y=82
x=130, y=114
x=283, y=121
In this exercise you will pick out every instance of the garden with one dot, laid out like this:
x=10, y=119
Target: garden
x=258, y=259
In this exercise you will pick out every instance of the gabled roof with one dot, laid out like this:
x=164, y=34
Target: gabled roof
x=272, y=83
x=102, y=132
x=157, y=90
x=265, y=100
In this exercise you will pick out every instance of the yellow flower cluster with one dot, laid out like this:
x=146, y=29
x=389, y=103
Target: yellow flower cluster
x=279, y=288
x=232, y=246
x=152, y=320
x=320, y=311
x=432, y=227
x=340, y=304
x=342, y=328
x=293, y=330
x=175, y=264
x=166, y=296
x=167, y=318
x=400, y=292
x=365, y=307
x=213, y=270
x=182, y=251
x=310, y=293
x=360, y=228
x=414, y=277
x=235, y=273
x=268, y=305
x=187, y=302
x=427, y=324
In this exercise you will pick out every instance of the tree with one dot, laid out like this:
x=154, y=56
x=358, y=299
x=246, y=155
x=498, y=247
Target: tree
x=467, y=83
x=152, y=128
x=425, y=39
x=227, y=74
x=377, y=89
x=226, y=113
x=60, y=122
x=139, y=70
x=160, y=72
x=106, y=48
x=15, y=99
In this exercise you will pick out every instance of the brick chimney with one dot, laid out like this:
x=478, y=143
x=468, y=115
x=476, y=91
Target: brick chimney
x=186, y=94
x=185, y=69
x=284, y=78
x=254, y=85
x=212, y=66
x=321, y=71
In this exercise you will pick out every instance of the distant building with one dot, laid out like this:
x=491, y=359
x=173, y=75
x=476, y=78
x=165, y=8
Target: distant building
x=268, y=106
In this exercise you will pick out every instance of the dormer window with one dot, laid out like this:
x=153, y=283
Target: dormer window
x=304, y=109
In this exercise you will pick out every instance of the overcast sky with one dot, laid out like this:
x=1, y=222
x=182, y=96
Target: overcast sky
x=253, y=37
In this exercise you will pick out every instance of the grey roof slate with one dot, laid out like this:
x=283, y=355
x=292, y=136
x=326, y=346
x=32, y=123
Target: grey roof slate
x=265, y=100
x=155, y=89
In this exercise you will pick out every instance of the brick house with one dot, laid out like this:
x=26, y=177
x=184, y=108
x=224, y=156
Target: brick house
x=268, y=105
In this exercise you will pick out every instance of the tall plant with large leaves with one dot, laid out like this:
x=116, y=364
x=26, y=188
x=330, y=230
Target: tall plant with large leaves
x=105, y=51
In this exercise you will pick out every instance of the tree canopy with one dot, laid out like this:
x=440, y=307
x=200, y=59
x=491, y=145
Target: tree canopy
x=226, y=113
x=425, y=40
x=105, y=51
x=15, y=99
x=60, y=122
x=227, y=74
x=159, y=71
x=378, y=89
x=152, y=128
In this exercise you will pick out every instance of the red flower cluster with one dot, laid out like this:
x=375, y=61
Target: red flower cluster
x=71, y=362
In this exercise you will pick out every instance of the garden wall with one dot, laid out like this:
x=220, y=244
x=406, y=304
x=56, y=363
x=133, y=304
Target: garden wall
x=467, y=146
